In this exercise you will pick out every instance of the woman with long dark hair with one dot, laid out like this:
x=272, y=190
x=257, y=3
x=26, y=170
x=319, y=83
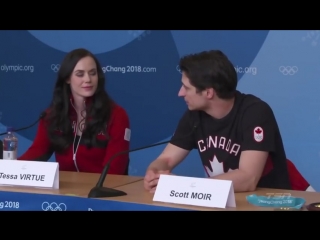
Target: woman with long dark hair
x=83, y=126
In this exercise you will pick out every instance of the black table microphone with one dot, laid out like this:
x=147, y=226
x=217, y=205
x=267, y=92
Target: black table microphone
x=100, y=192
x=42, y=115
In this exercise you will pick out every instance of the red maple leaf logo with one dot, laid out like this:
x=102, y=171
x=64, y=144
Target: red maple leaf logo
x=258, y=131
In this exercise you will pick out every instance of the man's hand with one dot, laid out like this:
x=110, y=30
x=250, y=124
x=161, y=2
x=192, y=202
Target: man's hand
x=151, y=179
x=170, y=157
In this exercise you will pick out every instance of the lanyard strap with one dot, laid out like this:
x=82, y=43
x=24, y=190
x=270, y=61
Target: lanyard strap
x=276, y=202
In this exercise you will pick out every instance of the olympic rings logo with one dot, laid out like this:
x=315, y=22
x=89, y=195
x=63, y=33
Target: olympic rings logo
x=53, y=206
x=288, y=70
x=55, y=67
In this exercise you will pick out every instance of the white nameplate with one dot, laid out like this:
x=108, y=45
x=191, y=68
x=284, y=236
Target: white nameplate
x=29, y=173
x=203, y=192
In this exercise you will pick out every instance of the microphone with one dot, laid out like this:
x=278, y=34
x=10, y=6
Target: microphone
x=42, y=115
x=100, y=192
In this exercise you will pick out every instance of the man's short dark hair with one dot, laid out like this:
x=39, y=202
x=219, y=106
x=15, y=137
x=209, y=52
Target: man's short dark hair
x=211, y=69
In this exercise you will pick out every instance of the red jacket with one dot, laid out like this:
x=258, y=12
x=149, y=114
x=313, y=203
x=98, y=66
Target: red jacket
x=89, y=160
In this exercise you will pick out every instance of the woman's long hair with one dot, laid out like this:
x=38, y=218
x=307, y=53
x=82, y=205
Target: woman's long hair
x=97, y=114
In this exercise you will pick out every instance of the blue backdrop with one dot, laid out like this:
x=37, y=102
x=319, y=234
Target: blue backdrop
x=281, y=67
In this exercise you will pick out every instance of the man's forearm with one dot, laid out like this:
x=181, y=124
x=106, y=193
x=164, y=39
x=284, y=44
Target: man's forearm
x=160, y=164
x=242, y=182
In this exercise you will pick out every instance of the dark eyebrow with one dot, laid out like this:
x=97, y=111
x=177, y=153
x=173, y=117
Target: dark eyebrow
x=81, y=71
x=184, y=85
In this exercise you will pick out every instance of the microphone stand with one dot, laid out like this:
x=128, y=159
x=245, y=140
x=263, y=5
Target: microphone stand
x=99, y=191
x=42, y=115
